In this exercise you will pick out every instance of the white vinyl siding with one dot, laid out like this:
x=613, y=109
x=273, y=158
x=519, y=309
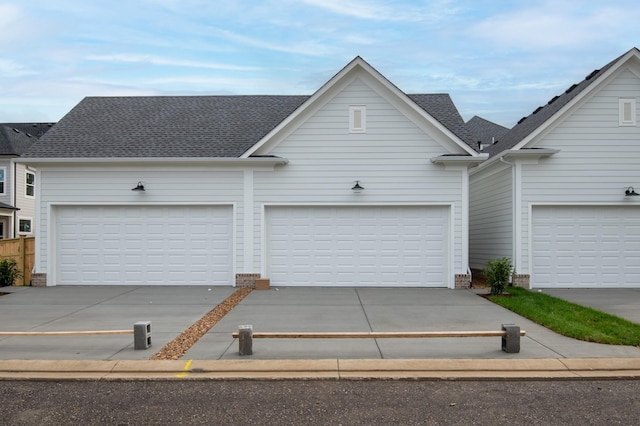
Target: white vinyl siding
x=144, y=245
x=370, y=246
x=586, y=246
x=391, y=161
x=491, y=216
x=597, y=159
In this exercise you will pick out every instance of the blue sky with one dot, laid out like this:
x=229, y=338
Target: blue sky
x=497, y=59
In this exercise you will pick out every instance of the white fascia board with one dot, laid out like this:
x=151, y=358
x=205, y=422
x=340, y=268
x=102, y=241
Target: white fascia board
x=633, y=53
x=460, y=159
x=516, y=154
x=222, y=162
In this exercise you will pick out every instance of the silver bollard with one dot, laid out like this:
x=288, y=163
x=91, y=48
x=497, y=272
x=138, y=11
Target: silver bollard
x=142, y=335
x=245, y=339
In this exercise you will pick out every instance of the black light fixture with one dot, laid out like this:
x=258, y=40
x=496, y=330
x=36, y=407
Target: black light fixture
x=139, y=187
x=629, y=192
x=357, y=187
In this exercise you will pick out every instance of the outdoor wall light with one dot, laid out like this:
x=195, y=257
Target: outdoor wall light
x=629, y=192
x=357, y=187
x=139, y=187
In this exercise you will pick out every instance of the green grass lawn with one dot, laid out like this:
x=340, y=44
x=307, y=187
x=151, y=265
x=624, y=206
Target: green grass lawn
x=569, y=319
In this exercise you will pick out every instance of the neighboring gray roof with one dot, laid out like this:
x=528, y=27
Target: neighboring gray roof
x=14, y=141
x=34, y=129
x=540, y=115
x=485, y=131
x=187, y=126
x=441, y=107
x=7, y=206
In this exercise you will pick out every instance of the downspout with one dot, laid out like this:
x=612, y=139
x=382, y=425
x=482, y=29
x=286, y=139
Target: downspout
x=516, y=211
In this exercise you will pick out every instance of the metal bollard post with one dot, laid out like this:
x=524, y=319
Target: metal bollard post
x=142, y=335
x=511, y=339
x=245, y=339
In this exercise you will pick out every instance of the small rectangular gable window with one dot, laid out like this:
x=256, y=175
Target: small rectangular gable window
x=357, y=119
x=627, y=112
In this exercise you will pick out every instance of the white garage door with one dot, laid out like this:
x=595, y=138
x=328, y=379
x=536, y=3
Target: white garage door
x=358, y=246
x=144, y=245
x=595, y=246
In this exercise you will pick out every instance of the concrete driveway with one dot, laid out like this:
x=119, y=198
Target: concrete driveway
x=622, y=302
x=173, y=309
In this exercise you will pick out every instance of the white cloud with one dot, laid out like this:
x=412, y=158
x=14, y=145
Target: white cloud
x=555, y=25
x=387, y=11
x=13, y=69
x=157, y=60
x=9, y=14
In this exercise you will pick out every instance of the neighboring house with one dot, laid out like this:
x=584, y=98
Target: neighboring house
x=356, y=185
x=17, y=182
x=485, y=132
x=556, y=195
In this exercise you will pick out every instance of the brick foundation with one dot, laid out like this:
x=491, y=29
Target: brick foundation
x=38, y=280
x=463, y=281
x=521, y=280
x=246, y=280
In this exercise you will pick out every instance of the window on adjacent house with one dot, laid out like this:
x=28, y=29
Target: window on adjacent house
x=357, y=119
x=24, y=226
x=1, y=230
x=2, y=180
x=627, y=112
x=30, y=184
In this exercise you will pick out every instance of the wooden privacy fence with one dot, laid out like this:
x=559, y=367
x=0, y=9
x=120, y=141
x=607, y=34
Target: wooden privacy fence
x=22, y=250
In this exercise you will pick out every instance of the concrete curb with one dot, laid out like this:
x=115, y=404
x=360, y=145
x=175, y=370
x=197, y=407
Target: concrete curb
x=327, y=369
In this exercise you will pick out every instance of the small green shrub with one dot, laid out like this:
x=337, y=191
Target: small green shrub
x=497, y=273
x=8, y=272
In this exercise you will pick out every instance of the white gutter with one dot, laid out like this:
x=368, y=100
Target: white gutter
x=216, y=161
x=460, y=159
x=516, y=154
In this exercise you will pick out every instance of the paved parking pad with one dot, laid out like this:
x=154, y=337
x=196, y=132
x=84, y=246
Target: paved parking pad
x=384, y=309
x=172, y=309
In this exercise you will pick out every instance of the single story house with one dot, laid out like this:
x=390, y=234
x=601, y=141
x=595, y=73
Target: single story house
x=557, y=193
x=358, y=184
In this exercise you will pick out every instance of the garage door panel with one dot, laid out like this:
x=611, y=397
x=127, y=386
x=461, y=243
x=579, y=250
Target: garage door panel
x=351, y=246
x=586, y=246
x=140, y=245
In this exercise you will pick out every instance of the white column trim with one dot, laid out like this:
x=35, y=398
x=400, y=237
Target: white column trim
x=248, y=222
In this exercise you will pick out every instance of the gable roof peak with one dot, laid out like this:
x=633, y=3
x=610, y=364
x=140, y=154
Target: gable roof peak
x=545, y=114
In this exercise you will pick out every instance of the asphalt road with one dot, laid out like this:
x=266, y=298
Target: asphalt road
x=320, y=402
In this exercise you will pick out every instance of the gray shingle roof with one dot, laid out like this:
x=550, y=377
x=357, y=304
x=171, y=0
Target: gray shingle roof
x=34, y=129
x=441, y=107
x=187, y=126
x=485, y=131
x=540, y=115
x=164, y=126
x=13, y=141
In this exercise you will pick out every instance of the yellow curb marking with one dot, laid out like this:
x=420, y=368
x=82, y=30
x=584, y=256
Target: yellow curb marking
x=185, y=370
